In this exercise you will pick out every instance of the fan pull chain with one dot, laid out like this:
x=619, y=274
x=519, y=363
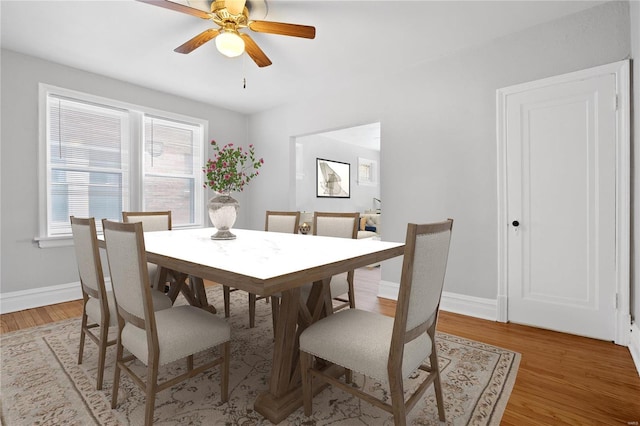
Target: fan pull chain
x=244, y=79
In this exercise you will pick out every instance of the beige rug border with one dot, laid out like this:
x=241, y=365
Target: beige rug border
x=507, y=388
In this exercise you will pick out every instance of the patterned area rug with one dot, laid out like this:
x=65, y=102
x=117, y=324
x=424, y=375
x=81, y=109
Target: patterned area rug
x=42, y=384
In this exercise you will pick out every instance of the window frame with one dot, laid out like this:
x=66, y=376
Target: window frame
x=135, y=147
x=372, y=165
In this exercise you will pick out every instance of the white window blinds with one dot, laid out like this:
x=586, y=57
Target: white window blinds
x=103, y=157
x=171, y=163
x=87, y=162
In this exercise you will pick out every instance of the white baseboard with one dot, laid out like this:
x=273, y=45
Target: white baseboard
x=34, y=298
x=388, y=290
x=634, y=345
x=452, y=302
x=472, y=306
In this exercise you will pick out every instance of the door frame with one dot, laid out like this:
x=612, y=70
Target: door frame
x=621, y=70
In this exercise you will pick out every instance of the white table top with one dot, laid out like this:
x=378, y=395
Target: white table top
x=268, y=261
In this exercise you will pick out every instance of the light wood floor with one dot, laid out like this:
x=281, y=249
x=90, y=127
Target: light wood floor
x=563, y=379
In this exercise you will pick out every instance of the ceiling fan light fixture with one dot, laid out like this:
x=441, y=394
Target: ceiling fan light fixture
x=230, y=44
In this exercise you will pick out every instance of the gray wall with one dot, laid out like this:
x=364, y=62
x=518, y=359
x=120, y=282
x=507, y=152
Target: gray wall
x=438, y=138
x=438, y=142
x=24, y=265
x=317, y=146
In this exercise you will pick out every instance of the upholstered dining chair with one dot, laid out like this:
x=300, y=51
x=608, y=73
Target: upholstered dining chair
x=156, y=338
x=98, y=307
x=275, y=221
x=384, y=348
x=343, y=225
x=151, y=221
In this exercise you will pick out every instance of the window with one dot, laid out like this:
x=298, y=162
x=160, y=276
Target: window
x=172, y=169
x=100, y=157
x=367, y=172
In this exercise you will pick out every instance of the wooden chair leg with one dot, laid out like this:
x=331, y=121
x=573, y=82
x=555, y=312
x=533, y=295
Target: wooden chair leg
x=226, y=291
x=275, y=310
x=433, y=358
x=352, y=296
x=252, y=310
x=224, y=372
x=83, y=327
x=102, y=353
x=306, y=377
x=348, y=375
x=190, y=363
x=152, y=378
x=397, y=399
x=116, y=375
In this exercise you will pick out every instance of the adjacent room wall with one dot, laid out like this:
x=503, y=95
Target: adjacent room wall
x=24, y=265
x=317, y=146
x=438, y=137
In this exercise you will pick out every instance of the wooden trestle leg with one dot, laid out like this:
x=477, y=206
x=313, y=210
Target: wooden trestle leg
x=193, y=291
x=285, y=391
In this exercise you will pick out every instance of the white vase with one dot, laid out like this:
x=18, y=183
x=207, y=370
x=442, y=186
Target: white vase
x=223, y=210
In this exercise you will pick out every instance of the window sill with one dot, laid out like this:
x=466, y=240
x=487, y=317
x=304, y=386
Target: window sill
x=67, y=240
x=54, y=242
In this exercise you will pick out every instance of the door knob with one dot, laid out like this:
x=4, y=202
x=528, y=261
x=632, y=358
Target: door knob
x=515, y=223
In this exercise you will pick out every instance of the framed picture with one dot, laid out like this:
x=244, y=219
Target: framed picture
x=332, y=179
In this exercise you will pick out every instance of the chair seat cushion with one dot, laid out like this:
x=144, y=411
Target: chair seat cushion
x=152, y=270
x=360, y=341
x=94, y=311
x=339, y=286
x=160, y=302
x=366, y=234
x=182, y=331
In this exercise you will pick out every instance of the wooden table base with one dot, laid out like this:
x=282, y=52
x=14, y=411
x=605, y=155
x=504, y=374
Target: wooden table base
x=193, y=290
x=285, y=389
x=278, y=409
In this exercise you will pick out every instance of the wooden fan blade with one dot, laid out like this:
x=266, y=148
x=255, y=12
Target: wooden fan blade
x=234, y=7
x=293, y=30
x=254, y=51
x=178, y=8
x=197, y=41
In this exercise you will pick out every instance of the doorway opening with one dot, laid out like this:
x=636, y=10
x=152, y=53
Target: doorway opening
x=359, y=148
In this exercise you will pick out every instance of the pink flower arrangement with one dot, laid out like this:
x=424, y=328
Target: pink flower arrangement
x=231, y=169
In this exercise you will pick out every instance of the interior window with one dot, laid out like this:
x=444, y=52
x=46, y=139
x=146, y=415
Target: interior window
x=103, y=157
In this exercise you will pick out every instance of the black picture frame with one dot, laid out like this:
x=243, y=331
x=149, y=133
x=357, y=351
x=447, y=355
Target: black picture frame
x=333, y=179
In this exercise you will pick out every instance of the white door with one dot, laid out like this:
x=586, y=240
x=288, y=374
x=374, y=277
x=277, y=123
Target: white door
x=560, y=147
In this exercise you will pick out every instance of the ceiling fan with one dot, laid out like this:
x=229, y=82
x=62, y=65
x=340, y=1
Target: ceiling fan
x=231, y=16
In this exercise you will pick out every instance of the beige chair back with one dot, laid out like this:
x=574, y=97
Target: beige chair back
x=341, y=225
x=423, y=270
x=330, y=224
x=88, y=256
x=128, y=268
x=285, y=222
x=151, y=221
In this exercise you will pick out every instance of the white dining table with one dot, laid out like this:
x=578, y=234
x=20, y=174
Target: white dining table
x=266, y=263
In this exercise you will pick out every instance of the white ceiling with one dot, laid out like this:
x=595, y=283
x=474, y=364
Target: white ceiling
x=134, y=42
x=365, y=136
